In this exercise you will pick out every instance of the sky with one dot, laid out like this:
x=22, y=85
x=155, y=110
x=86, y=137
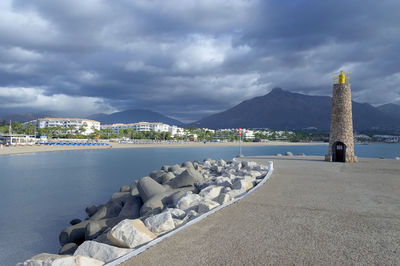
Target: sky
x=189, y=59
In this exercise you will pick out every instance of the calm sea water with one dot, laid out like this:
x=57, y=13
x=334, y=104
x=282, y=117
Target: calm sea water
x=40, y=193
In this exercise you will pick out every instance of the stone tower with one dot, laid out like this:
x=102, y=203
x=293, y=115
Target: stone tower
x=341, y=141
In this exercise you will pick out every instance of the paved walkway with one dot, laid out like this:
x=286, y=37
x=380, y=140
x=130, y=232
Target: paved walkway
x=309, y=212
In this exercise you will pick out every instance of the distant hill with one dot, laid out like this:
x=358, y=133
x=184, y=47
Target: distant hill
x=133, y=116
x=282, y=109
x=391, y=109
x=22, y=118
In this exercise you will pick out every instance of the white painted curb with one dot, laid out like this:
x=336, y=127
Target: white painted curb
x=197, y=219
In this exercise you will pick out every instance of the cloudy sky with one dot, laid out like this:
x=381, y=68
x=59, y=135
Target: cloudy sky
x=188, y=59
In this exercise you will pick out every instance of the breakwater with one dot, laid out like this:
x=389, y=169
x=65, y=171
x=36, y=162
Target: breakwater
x=151, y=207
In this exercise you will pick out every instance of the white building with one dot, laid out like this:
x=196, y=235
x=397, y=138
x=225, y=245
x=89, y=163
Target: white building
x=77, y=123
x=248, y=134
x=145, y=126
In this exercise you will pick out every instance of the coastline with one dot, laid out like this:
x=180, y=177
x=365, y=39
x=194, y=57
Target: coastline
x=114, y=145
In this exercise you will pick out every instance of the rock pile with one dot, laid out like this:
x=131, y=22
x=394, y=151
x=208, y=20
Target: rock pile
x=152, y=206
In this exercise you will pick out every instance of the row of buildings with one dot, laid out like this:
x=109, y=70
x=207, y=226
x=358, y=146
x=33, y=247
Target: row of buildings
x=87, y=126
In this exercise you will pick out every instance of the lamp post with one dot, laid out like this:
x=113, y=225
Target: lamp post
x=240, y=131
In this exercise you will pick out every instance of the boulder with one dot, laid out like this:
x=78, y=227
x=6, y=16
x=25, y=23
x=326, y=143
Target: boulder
x=189, y=201
x=134, y=191
x=174, y=168
x=156, y=175
x=207, y=205
x=250, y=165
x=223, y=198
x=188, y=178
x=90, y=210
x=100, y=251
x=131, y=209
x=278, y=154
x=160, y=223
x=60, y=260
x=109, y=210
x=121, y=197
x=288, y=153
x=148, y=187
x=221, y=163
x=242, y=184
x=98, y=227
x=75, y=221
x=167, y=177
x=168, y=198
x=397, y=158
x=176, y=213
x=190, y=215
x=211, y=192
x=73, y=234
x=196, y=165
x=125, y=189
x=68, y=249
x=223, y=181
x=235, y=193
x=187, y=165
x=165, y=168
x=130, y=234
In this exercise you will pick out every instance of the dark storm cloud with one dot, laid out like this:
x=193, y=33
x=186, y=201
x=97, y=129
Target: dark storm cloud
x=188, y=59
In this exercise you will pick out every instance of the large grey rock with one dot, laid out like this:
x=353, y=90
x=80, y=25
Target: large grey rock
x=111, y=209
x=224, y=181
x=130, y=234
x=148, y=188
x=189, y=201
x=156, y=175
x=100, y=251
x=98, y=227
x=165, y=168
x=288, y=153
x=46, y=259
x=121, y=197
x=176, y=213
x=174, y=168
x=188, y=178
x=131, y=208
x=160, y=223
x=91, y=209
x=211, y=192
x=187, y=164
x=167, y=177
x=157, y=203
x=73, y=234
x=125, y=189
x=68, y=249
x=242, y=184
x=207, y=205
x=134, y=191
x=75, y=221
x=223, y=198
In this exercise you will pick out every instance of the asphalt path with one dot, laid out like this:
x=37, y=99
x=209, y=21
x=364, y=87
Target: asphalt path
x=308, y=212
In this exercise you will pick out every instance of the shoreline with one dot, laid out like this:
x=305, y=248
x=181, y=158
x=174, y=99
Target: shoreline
x=113, y=145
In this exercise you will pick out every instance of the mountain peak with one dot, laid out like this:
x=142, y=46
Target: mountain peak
x=277, y=90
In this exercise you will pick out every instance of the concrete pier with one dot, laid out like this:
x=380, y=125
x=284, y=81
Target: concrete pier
x=309, y=212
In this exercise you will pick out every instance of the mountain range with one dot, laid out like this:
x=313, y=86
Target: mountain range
x=282, y=109
x=278, y=109
x=133, y=116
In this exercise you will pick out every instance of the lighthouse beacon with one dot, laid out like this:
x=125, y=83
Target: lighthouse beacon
x=341, y=141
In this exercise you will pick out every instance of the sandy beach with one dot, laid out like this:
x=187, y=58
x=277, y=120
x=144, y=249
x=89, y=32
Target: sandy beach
x=114, y=145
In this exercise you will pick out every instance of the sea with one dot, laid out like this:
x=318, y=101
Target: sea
x=41, y=192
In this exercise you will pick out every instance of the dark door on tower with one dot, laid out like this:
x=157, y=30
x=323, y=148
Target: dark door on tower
x=339, y=152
